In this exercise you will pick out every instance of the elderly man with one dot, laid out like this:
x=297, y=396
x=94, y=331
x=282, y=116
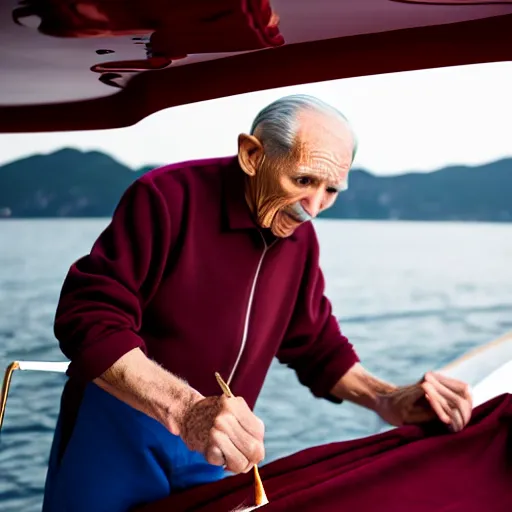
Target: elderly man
x=211, y=266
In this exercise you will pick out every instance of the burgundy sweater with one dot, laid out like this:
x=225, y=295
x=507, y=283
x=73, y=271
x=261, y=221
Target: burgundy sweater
x=184, y=273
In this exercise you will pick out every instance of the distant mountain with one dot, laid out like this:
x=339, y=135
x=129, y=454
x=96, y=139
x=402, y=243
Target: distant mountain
x=482, y=193
x=72, y=183
x=67, y=183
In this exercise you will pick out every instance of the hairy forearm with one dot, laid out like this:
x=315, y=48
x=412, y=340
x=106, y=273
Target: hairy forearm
x=146, y=386
x=361, y=387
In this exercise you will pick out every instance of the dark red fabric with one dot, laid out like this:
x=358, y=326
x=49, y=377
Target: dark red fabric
x=172, y=274
x=451, y=44
x=215, y=27
x=410, y=469
x=180, y=27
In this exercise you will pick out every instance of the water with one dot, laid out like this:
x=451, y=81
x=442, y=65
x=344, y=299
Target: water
x=410, y=296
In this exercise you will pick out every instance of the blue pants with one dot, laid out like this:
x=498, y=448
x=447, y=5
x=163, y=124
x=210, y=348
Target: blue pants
x=118, y=458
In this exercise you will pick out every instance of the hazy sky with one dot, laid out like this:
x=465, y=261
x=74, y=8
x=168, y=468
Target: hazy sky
x=419, y=120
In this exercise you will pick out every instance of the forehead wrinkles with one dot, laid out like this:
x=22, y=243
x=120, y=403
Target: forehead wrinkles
x=323, y=146
x=322, y=174
x=323, y=165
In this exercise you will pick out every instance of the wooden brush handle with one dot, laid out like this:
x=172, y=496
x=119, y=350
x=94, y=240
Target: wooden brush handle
x=260, y=497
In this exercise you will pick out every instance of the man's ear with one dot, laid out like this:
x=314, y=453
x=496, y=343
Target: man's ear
x=250, y=153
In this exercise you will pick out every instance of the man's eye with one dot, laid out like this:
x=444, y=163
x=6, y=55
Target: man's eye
x=304, y=181
x=332, y=190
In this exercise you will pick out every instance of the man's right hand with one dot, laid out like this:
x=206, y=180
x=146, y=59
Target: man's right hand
x=226, y=431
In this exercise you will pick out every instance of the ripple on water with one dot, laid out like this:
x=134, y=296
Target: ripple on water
x=415, y=307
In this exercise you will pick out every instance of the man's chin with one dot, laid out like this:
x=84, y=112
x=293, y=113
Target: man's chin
x=283, y=234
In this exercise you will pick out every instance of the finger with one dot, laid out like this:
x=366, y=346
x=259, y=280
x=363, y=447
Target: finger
x=437, y=402
x=455, y=401
x=215, y=456
x=247, y=419
x=235, y=460
x=453, y=398
x=251, y=447
x=467, y=411
x=457, y=386
x=458, y=420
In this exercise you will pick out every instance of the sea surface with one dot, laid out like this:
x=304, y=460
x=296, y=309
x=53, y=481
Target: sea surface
x=411, y=296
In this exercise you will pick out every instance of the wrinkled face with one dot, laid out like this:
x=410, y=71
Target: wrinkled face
x=283, y=193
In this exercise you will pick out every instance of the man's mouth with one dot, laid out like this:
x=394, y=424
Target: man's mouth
x=293, y=217
x=297, y=213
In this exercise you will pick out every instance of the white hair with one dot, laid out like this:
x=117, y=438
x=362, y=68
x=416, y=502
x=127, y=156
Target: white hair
x=276, y=125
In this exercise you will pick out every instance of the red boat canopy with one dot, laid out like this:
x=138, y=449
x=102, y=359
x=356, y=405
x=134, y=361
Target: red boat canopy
x=94, y=64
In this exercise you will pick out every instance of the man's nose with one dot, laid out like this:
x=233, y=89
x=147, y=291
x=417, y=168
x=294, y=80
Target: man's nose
x=313, y=203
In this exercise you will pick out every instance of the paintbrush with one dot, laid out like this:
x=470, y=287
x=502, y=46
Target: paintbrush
x=260, y=498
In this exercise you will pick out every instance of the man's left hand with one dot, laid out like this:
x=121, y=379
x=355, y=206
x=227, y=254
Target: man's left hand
x=435, y=396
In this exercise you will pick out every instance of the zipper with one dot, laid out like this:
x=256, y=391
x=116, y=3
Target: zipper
x=249, y=307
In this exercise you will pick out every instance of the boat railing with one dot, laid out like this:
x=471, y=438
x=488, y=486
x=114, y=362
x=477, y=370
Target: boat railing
x=473, y=367
x=40, y=366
